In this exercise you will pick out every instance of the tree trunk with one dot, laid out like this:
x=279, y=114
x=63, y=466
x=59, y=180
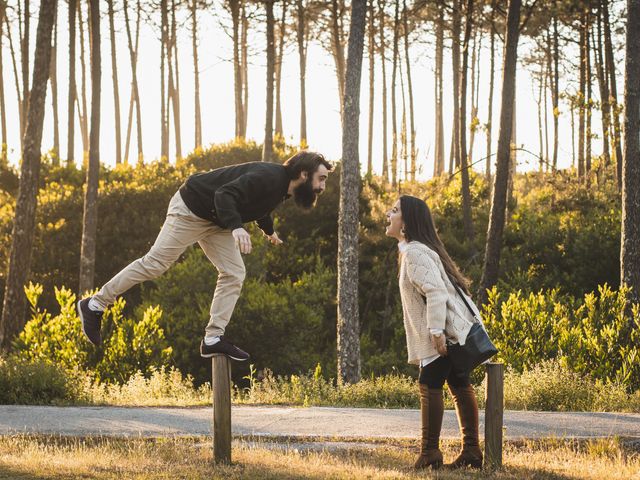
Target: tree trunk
x=116, y=87
x=135, y=98
x=278, y=72
x=54, y=89
x=348, y=342
x=394, y=120
x=164, y=114
x=474, y=98
x=513, y=162
x=604, y=91
x=412, y=126
x=539, y=104
x=174, y=81
x=439, y=150
x=573, y=132
x=582, y=96
x=556, y=91
x=455, y=59
x=464, y=165
x=302, y=37
x=267, y=149
x=21, y=111
x=82, y=102
x=546, y=74
x=588, y=103
x=630, y=238
x=24, y=56
x=90, y=215
x=196, y=75
x=245, y=69
x=4, y=162
x=337, y=46
x=234, y=6
x=499, y=203
x=72, y=84
x=12, y=320
x=385, y=147
x=613, y=99
x=372, y=52
x=403, y=125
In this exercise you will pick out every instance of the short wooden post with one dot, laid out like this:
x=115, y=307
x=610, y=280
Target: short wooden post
x=221, y=386
x=493, y=415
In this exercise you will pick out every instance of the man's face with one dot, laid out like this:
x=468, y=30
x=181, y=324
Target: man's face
x=306, y=194
x=319, y=179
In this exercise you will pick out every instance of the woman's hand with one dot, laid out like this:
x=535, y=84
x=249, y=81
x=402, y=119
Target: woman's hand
x=440, y=342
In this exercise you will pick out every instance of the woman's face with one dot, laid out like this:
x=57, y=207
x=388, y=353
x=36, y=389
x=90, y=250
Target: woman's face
x=394, y=222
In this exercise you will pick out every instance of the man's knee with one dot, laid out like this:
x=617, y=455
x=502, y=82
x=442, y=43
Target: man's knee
x=233, y=276
x=156, y=264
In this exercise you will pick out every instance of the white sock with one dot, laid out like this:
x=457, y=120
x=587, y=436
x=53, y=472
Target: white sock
x=95, y=306
x=211, y=340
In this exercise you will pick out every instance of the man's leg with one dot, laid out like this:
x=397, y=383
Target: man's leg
x=180, y=229
x=221, y=249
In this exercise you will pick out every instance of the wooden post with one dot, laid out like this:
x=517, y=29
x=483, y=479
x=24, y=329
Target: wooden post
x=221, y=386
x=493, y=415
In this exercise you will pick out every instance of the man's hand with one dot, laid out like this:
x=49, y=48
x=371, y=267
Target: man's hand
x=274, y=239
x=243, y=239
x=440, y=342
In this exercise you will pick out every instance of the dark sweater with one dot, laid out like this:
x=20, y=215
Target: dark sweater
x=231, y=196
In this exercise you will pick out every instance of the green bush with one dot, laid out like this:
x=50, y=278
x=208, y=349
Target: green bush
x=599, y=336
x=313, y=389
x=128, y=345
x=39, y=382
x=550, y=386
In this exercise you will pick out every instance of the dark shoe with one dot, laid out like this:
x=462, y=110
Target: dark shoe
x=224, y=347
x=91, y=321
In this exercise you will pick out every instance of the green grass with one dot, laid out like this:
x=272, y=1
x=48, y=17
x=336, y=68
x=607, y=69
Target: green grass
x=36, y=457
x=547, y=387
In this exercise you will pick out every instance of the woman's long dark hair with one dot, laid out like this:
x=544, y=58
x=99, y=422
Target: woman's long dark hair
x=419, y=227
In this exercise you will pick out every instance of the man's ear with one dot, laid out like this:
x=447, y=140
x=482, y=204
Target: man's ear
x=304, y=175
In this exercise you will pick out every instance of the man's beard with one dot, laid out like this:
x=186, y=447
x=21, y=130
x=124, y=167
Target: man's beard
x=304, y=195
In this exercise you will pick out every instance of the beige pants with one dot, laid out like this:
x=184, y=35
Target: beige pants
x=181, y=229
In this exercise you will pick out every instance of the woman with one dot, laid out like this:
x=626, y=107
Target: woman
x=434, y=313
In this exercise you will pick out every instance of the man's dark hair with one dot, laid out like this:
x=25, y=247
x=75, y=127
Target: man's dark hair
x=305, y=161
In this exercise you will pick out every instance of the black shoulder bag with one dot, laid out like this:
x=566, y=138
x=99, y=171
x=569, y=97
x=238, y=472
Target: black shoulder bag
x=477, y=349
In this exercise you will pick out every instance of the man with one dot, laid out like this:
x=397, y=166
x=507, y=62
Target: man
x=210, y=208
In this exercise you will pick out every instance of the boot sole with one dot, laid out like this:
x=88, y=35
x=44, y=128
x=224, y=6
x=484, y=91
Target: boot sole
x=209, y=355
x=473, y=465
x=432, y=466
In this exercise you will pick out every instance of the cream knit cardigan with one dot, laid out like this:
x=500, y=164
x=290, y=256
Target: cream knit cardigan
x=423, y=275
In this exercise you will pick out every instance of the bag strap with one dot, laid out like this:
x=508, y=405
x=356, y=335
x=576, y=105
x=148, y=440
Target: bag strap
x=463, y=298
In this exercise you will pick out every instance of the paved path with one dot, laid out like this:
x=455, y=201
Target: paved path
x=338, y=423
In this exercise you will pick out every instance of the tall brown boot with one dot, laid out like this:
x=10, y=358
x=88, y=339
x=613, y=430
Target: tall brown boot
x=431, y=412
x=467, y=411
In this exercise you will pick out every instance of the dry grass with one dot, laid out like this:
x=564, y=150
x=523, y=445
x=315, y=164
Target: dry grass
x=31, y=457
